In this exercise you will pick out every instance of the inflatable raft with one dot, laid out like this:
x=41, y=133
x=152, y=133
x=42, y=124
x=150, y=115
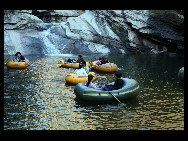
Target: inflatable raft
x=70, y=65
x=75, y=78
x=108, y=67
x=129, y=90
x=17, y=65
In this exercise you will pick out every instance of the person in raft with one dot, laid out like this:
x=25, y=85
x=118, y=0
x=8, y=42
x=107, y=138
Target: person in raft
x=80, y=61
x=84, y=70
x=71, y=61
x=90, y=84
x=99, y=61
x=104, y=60
x=85, y=67
x=19, y=57
x=117, y=85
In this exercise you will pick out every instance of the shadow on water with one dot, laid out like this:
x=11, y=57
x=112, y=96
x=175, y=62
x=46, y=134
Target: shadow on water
x=128, y=103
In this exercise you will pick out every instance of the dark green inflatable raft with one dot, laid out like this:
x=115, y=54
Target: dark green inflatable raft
x=129, y=90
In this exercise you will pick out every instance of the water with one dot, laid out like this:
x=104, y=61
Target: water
x=49, y=47
x=38, y=98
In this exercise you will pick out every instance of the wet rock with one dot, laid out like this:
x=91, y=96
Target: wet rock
x=33, y=45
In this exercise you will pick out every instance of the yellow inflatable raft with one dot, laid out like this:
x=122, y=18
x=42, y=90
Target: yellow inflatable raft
x=75, y=79
x=17, y=65
x=70, y=65
x=108, y=67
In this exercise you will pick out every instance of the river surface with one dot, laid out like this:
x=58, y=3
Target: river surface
x=37, y=98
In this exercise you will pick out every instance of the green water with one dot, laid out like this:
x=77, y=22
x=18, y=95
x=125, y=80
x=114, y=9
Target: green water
x=37, y=98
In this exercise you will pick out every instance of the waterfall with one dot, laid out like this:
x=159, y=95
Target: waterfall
x=13, y=42
x=48, y=40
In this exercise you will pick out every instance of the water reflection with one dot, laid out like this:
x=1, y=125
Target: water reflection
x=37, y=98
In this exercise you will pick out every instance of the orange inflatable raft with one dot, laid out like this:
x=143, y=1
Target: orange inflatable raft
x=17, y=65
x=70, y=65
x=75, y=78
x=108, y=67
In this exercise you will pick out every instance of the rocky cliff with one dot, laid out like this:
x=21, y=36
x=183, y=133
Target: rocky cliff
x=93, y=31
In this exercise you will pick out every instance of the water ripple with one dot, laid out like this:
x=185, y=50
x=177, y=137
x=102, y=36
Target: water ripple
x=37, y=98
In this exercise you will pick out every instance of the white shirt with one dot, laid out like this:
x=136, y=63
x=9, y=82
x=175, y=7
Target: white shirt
x=80, y=72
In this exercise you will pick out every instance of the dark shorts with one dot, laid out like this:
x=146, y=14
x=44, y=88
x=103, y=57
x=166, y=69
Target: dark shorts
x=109, y=88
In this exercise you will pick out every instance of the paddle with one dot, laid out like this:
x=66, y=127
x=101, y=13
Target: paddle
x=115, y=97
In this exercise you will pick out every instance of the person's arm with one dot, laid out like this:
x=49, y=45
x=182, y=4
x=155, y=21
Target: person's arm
x=94, y=86
x=76, y=71
x=16, y=59
x=116, y=84
x=87, y=69
x=22, y=58
x=102, y=62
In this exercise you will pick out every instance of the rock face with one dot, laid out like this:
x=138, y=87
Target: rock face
x=93, y=31
x=152, y=31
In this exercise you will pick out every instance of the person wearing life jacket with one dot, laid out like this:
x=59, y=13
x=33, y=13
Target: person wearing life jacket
x=19, y=57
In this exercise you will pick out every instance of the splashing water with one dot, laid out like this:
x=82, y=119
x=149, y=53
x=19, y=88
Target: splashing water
x=50, y=48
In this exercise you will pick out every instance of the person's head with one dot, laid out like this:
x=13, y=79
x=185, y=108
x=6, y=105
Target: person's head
x=80, y=57
x=103, y=58
x=18, y=54
x=83, y=64
x=118, y=74
x=90, y=77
